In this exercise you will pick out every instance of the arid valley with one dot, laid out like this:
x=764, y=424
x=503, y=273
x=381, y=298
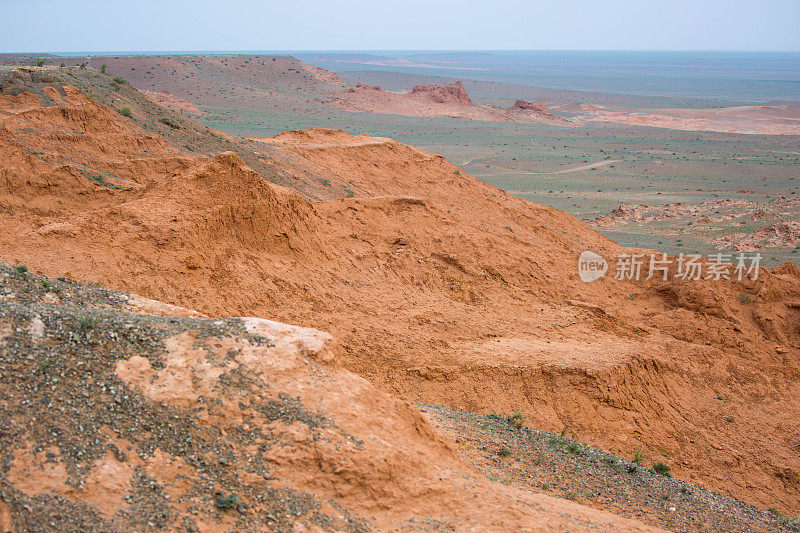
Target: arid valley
x=374, y=292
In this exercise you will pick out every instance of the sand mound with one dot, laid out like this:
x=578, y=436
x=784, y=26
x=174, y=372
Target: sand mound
x=444, y=289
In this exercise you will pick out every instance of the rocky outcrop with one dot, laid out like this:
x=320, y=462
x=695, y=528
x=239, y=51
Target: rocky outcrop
x=364, y=87
x=452, y=93
x=534, y=110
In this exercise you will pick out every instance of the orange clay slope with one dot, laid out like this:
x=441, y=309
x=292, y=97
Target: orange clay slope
x=439, y=287
x=147, y=422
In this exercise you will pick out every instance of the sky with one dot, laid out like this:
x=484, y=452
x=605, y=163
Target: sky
x=145, y=25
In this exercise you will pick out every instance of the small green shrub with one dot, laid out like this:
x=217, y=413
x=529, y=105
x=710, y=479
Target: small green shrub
x=226, y=502
x=661, y=468
x=610, y=460
x=125, y=112
x=638, y=456
x=504, y=452
x=575, y=447
x=40, y=61
x=86, y=323
x=517, y=420
x=119, y=80
x=171, y=123
x=103, y=68
x=22, y=269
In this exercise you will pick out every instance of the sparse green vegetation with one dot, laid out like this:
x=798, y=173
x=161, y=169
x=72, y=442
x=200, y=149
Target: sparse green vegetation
x=40, y=61
x=120, y=80
x=125, y=112
x=744, y=298
x=103, y=68
x=575, y=447
x=87, y=323
x=227, y=502
x=610, y=460
x=662, y=468
x=504, y=452
x=169, y=122
x=22, y=269
x=517, y=420
x=638, y=456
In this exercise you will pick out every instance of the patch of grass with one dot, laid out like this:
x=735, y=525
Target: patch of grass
x=87, y=322
x=227, y=502
x=744, y=298
x=638, y=456
x=504, y=452
x=662, y=468
x=171, y=123
x=97, y=178
x=46, y=284
x=517, y=420
x=610, y=460
x=576, y=447
x=125, y=112
x=44, y=367
x=120, y=81
x=22, y=269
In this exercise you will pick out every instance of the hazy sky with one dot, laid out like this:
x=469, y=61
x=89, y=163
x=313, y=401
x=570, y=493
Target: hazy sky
x=90, y=25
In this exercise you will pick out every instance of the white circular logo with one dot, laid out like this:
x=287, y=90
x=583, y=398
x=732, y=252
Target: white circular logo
x=591, y=266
